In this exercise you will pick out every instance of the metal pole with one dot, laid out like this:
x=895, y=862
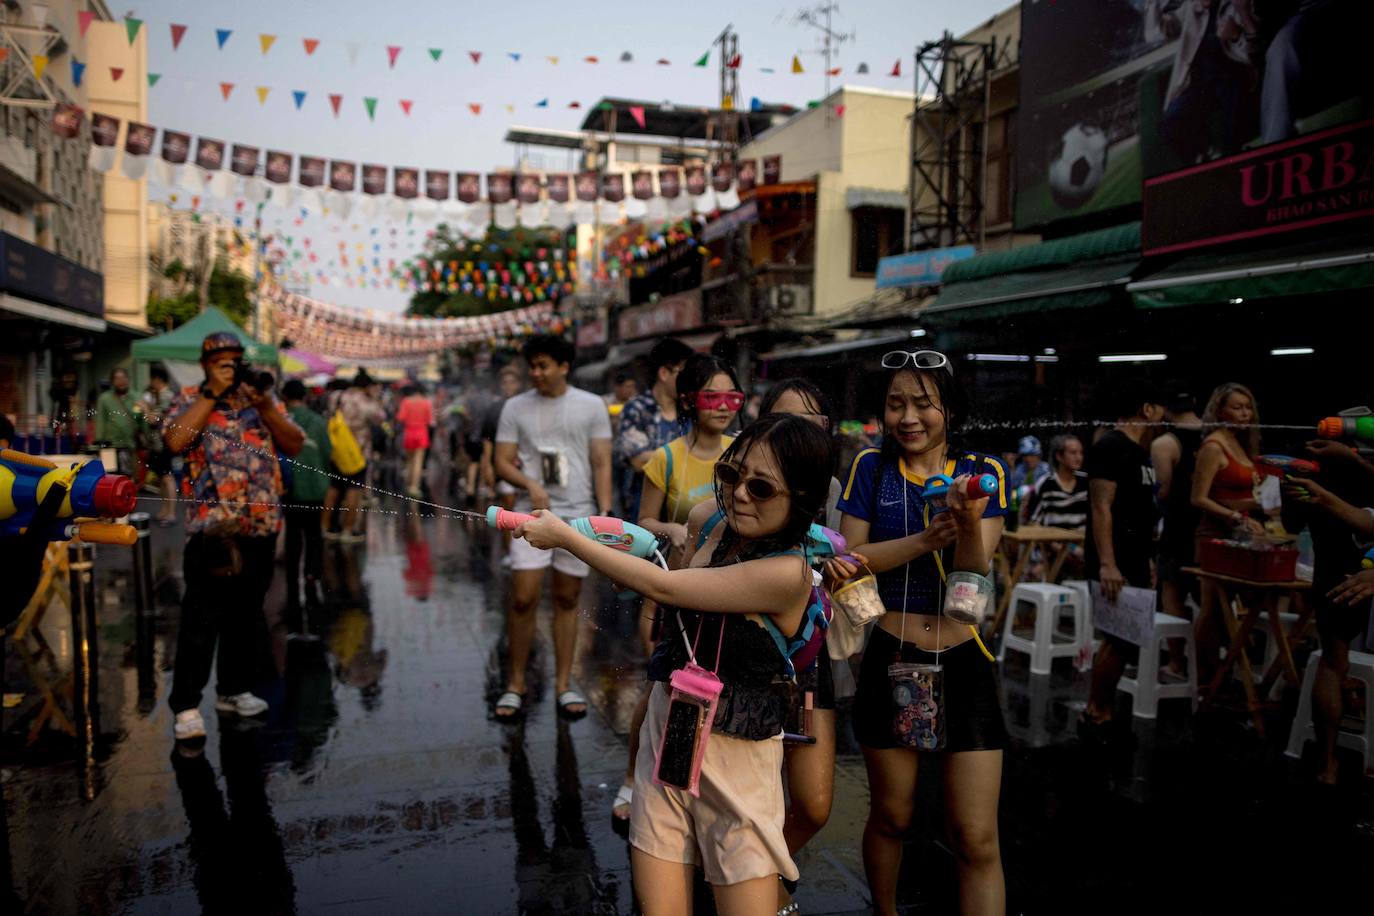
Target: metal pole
x=85, y=649
x=144, y=612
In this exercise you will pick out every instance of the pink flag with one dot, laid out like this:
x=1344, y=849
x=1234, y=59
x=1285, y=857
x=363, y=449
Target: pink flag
x=393, y=52
x=476, y=56
x=637, y=112
x=83, y=21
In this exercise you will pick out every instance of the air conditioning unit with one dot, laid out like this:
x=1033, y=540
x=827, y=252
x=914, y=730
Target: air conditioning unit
x=788, y=299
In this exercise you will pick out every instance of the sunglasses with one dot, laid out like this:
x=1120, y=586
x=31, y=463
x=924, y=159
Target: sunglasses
x=759, y=489
x=920, y=359
x=715, y=400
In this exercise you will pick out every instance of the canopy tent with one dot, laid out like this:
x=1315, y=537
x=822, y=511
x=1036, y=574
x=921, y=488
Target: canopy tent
x=183, y=344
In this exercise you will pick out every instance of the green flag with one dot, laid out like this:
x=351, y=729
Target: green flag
x=132, y=26
x=153, y=78
x=701, y=62
x=435, y=53
x=371, y=108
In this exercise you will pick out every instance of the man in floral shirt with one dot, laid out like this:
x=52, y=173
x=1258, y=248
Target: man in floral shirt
x=649, y=422
x=230, y=433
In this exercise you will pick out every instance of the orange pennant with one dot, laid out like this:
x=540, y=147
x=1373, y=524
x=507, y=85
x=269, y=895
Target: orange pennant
x=475, y=108
x=310, y=45
x=592, y=60
x=225, y=89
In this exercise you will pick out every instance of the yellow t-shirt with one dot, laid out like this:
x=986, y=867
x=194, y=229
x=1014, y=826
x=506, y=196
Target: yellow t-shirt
x=692, y=480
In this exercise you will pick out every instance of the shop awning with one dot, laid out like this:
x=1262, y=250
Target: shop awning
x=27, y=308
x=874, y=197
x=1303, y=270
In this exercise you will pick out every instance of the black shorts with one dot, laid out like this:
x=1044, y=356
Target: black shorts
x=973, y=711
x=160, y=461
x=344, y=483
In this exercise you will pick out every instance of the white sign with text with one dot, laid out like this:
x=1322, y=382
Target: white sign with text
x=1130, y=617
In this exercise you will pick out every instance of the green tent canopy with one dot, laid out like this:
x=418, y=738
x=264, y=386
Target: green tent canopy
x=183, y=344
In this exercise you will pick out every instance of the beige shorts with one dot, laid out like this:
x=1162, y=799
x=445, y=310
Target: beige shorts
x=734, y=830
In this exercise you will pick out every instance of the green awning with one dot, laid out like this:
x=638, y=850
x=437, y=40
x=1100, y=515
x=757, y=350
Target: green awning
x=184, y=343
x=1116, y=243
x=1303, y=270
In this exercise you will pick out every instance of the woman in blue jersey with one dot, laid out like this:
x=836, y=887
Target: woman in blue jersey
x=912, y=549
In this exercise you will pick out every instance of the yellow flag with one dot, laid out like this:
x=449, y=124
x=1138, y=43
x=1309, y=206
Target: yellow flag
x=262, y=94
x=554, y=61
x=266, y=41
x=796, y=64
x=40, y=63
x=728, y=104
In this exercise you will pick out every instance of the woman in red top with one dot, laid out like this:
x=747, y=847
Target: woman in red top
x=1224, y=487
x=416, y=416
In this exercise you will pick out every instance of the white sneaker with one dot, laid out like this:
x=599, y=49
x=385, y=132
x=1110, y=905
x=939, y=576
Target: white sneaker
x=243, y=704
x=189, y=725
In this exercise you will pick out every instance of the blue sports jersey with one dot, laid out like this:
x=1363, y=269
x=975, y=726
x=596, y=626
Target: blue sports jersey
x=874, y=494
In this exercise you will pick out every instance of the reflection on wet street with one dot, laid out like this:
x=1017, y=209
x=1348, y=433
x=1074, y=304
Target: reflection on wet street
x=378, y=782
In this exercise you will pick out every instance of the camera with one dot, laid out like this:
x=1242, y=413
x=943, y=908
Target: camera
x=245, y=374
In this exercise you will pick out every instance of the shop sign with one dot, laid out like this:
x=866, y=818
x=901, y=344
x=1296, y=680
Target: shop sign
x=919, y=268
x=748, y=212
x=678, y=312
x=1322, y=178
x=591, y=333
x=29, y=271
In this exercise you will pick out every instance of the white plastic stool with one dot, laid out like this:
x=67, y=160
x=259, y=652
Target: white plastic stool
x=1361, y=668
x=1145, y=688
x=1085, y=600
x=1048, y=641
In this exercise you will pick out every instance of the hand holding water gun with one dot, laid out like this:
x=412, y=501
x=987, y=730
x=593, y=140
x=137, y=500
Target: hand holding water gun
x=1287, y=467
x=547, y=531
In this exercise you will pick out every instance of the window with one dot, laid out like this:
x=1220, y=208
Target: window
x=877, y=234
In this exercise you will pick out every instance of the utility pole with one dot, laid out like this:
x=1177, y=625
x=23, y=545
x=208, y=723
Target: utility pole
x=728, y=123
x=821, y=18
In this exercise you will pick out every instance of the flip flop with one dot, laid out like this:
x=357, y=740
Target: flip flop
x=571, y=697
x=626, y=797
x=513, y=701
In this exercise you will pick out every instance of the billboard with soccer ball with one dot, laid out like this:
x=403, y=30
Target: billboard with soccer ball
x=1117, y=91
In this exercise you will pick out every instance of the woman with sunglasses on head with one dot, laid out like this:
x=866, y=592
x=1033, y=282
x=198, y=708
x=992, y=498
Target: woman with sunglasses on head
x=680, y=475
x=913, y=546
x=745, y=575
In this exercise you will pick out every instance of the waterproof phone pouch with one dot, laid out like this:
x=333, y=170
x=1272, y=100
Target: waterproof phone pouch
x=918, y=705
x=553, y=467
x=691, y=712
x=967, y=596
x=859, y=600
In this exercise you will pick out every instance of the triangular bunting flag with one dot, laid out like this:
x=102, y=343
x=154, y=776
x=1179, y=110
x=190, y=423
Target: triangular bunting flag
x=40, y=64
x=222, y=35
x=592, y=59
x=664, y=62
x=299, y=96
x=574, y=104
x=310, y=45
x=262, y=94
x=436, y=53
x=834, y=72
x=626, y=57
x=863, y=68
x=153, y=78
x=475, y=108
x=84, y=20
x=510, y=109
x=116, y=73
x=701, y=61
x=727, y=103
x=266, y=42
x=796, y=64
x=131, y=26
x=755, y=104
x=78, y=69
x=542, y=103
x=405, y=106
x=392, y=52
x=225, y=89
x=514, y=55
x=637, y=112
x=554, y=60
x=334, y=102
x=734, y=62
x=476, y=57
x=178, y=31
x=839, y=111
x=896, y=68
x=371, y=104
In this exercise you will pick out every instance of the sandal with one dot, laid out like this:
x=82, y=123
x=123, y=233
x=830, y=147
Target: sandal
x=623, y=798
x=572, y=697
x=513, y=701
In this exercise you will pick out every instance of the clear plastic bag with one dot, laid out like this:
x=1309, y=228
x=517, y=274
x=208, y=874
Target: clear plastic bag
x=967, y=596
x=691, y=713
x=918, y=697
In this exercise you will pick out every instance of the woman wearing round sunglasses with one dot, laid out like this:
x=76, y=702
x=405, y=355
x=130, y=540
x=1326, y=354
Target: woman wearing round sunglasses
x=680, y=475
x=909, y=546
x=744, y=560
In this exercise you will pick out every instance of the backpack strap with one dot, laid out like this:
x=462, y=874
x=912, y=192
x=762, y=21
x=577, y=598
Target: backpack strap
x=710, y=526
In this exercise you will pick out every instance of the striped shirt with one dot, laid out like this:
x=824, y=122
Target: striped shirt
x=1055, y=507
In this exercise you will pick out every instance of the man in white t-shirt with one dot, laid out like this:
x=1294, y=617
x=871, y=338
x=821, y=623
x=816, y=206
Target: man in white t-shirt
x=561, y=436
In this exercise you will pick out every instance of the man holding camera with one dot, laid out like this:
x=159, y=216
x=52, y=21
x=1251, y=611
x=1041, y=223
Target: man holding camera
x=230, y=429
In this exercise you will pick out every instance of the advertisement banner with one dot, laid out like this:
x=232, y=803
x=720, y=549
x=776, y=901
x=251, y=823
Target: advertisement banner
x=343, y=176
x=374, y=179
x=278, y=168
x=105, y=129
x=1117, y=91
x=405, y=183
x=244, y=160
x=558, y=186
x=679, y=312
x=642, y=185
x=138, y=141
x=436, y=185
x=670, y=183
x=919, y=268
x=469, y=187
x=500, y=187
x=310, y=172
x=613, y=188
x=43, y=276
x=772, y=169
x=1316, y=180
x=528, y=188
x=209, y=153
x=66, y=121
x=722, y=176
x=696, y=180
x=591, y=333
x=748, y=174
x=176, y=146
x=588, y=184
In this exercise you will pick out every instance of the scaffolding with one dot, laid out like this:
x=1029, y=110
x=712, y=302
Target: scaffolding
x=949, y=141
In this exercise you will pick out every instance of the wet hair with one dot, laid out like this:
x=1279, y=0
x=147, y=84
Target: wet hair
x=695, y=376
x=804, y=455
x=936, y=384
x=159, y=372
x=293, y=390
x=808, y=393
x=1058, y=444
x=1249, y=439
x=555, y=347
x=667, y=352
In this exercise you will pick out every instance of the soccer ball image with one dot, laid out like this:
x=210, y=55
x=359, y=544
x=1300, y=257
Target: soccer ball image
x=1078, y=166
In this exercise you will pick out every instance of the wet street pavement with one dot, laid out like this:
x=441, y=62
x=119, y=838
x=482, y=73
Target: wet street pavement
x=378, y=783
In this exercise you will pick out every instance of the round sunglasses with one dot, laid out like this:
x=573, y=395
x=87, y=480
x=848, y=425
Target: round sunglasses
x=715, y=400
x=759, y=489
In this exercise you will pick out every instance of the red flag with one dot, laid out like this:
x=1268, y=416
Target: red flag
x=592, y=60
x=734, y=62
x=116, y=73
x=839, y=111
x=393, y=52
x=476, y=56
x=225, y=89
x=475, y=108
x=335, y=101
x=574, y=104
x=405, y=105
x=896, y=68
x=637, y=112
x=834, y=72
x=83, y=21
x=310, y=45
x=177, y=32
